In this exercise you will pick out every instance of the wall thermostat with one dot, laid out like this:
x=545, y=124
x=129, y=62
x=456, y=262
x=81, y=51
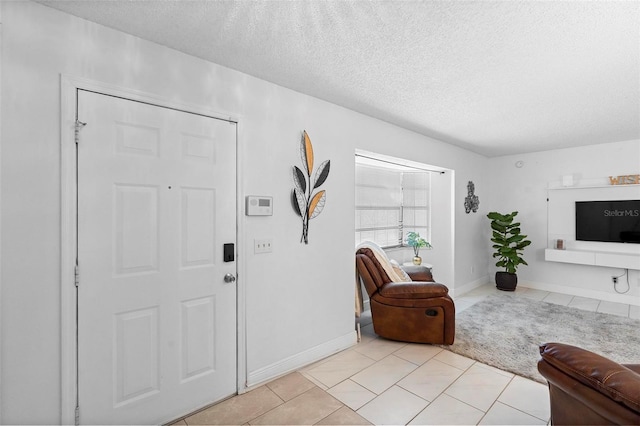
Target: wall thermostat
x=259, y=206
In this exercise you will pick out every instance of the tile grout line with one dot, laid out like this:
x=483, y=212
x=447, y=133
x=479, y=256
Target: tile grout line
x=279, y=405
x=492, y=404
x=425, y=407
x=334, y=411
x=283, y=402
x=451, y=384
x=395, y=383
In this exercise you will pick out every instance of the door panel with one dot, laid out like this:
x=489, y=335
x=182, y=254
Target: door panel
x=197, y=219
x=136, y=229
x=198, y=323
x=156, y=203
x=137, y=355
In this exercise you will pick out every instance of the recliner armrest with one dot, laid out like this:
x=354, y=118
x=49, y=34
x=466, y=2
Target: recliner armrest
x=413, y=290
x=633, y=367
x=424, y=276
x=609, y=378
x=418, y=273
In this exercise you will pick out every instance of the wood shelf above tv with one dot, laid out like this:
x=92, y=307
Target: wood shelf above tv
x=595, y=258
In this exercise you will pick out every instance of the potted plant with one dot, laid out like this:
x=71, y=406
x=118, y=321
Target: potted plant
x=508, y=245
x=416, y=241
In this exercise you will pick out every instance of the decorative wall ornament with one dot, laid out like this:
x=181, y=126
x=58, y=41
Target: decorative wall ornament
x=471, y=201
x=624, y=180
x=306, y=203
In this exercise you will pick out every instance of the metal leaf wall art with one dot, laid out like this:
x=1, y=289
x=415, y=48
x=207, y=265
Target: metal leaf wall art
x=471, y=201
x=306, y=203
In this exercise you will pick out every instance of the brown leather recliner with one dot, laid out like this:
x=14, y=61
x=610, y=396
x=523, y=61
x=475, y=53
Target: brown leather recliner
x=589, y=389
x=413, y=311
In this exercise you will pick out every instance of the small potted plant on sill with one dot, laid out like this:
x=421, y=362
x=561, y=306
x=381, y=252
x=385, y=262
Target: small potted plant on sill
x=416, y=241
x=508, y=245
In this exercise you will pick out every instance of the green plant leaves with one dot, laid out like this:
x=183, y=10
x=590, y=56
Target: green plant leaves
x=416, y=241
x=515, y=239
x=509, y=242
x=498, y=226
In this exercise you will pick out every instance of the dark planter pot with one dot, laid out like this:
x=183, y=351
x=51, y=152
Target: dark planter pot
x=506, y=281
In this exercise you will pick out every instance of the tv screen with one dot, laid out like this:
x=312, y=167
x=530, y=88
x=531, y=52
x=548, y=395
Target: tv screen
x=609, y=221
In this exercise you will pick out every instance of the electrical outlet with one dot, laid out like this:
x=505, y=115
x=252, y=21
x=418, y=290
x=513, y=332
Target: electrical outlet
x=262, y=246
x=615, y=280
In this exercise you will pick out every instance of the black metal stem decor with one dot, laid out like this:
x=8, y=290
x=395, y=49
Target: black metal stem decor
x=471, y=201
x=306, y=203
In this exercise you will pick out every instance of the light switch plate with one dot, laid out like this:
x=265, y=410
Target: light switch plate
x=262, y=246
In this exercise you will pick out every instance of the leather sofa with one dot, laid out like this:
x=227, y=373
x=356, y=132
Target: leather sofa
x=409, y=311
x=589, y=389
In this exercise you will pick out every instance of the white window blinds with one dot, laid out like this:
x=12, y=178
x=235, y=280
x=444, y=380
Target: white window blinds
x=390, y=203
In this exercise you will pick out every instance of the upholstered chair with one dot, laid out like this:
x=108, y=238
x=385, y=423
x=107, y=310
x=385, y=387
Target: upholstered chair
x=588, y=389
x=404, y=309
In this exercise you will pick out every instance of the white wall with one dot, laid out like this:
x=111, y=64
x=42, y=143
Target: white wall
x=299, y=299
x=525, y=190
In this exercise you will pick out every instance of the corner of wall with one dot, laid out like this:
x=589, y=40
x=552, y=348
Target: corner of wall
x=458, y=291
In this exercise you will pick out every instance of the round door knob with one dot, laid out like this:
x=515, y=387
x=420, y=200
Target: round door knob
x=229, y=278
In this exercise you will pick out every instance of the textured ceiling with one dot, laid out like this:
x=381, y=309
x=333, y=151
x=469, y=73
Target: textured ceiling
x=495, y=77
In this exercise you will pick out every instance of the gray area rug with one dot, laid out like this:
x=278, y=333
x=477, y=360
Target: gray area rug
x=505, y=331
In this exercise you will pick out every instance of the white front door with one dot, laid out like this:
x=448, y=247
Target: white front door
x=156, y=203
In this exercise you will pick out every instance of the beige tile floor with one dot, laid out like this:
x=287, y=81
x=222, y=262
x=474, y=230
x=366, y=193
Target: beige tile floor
x=380, y=381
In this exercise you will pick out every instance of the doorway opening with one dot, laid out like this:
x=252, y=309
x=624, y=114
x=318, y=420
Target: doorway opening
x=395, y=196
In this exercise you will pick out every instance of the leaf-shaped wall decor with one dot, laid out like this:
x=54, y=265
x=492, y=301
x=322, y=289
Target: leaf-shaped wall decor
x=317, y=204
x=306, y=205
x=306, y=152
x=299, y=180
x=294, y=203
x=322, y=173
x=301, y=201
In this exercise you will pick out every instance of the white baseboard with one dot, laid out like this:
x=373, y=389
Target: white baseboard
x=459, y=290
x=631, y=299
x=301, y=359
x=583, y=292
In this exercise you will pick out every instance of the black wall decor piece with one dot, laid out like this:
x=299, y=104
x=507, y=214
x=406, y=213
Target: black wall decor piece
x=306, y=203
x=471, y=201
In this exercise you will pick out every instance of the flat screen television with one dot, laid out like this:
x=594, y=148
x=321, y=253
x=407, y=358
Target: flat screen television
x=609, y=221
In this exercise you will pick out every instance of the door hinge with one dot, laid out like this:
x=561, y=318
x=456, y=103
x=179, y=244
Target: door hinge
x=79, y=125
x=77, y=275
x=77, y=415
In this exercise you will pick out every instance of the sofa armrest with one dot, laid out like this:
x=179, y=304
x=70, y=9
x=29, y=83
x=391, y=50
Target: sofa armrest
x=633, y=367
x=418, y=273
x=413, y=290
x=605, y=376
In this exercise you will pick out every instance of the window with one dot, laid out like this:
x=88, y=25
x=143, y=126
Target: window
x=390, y=201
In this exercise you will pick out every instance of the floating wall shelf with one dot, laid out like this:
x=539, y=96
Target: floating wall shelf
x=561, y=225
x=595, y=258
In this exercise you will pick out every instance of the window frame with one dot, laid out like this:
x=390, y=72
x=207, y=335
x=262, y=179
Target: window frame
x=399, y=226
